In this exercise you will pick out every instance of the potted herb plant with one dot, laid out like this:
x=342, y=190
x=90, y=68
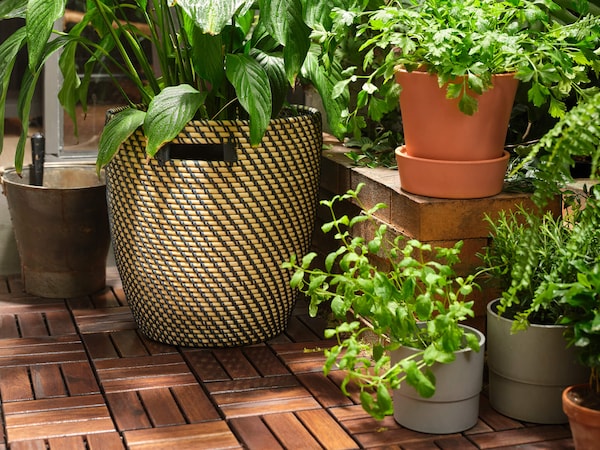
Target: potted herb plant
x=469, y=55
x=528, y=359
x=200, y=231
x=411, y=312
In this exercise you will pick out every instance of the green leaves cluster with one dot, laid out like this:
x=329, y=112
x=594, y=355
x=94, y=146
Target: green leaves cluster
x=464, y=43
x=418, y=301
x=217, y=59
x=531, y=254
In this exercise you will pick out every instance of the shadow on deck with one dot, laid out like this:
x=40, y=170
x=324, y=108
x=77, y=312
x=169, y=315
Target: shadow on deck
x=76, y=374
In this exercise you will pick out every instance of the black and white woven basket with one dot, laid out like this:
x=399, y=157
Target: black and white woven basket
x=199, y=244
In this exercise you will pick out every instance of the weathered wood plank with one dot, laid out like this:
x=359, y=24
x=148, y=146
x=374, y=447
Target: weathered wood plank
x=254, y=433
x=326, y=430
x=15, y=384
x=290, y=432
x=161, y=407
x=208, y=435
x=128, y=411
x=47, y=381
x=195, y=404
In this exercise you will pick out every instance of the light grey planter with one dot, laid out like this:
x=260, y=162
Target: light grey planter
x=529, y=370
x=455, y=405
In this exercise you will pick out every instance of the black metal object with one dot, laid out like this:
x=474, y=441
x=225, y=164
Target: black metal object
x=38, y=154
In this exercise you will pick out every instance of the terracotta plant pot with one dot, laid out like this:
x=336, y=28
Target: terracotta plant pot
x=435, y=128
x=451, y=179
x=584, y=422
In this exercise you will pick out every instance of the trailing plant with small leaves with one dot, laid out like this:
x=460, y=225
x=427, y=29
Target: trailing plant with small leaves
x=419, y=302
x=217, y=59
x=530, y=254
x=465, y=43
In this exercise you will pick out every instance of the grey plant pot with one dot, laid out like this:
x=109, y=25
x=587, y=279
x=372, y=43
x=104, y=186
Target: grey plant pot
x=455, y=405
x=529, y=370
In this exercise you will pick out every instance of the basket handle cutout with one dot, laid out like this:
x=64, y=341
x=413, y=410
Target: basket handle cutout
x=225, y=152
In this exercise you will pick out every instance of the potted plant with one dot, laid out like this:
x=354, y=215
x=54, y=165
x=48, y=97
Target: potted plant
x=200, y=231
x=470, y=54
x=404, y=329
x=528, y=359
x=581, y=403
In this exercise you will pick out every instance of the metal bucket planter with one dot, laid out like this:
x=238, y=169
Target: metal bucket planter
x=61, y=229
x=529, y=370
x=200, y=232
x=455, y=405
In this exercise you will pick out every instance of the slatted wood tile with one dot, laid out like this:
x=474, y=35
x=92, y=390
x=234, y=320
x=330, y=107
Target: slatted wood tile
x=57, y=417
x=76, y=373
x=209, y=435
x=127, y=374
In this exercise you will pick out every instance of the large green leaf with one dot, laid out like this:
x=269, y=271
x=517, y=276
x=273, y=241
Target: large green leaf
x=274, y=66
x=251, y=84
x=213, y=15
x=168, y=113
x=285, y=22
x=8, y=55
x=40, y=18
x=115, y=132
x=10, y=9
x=207, y=53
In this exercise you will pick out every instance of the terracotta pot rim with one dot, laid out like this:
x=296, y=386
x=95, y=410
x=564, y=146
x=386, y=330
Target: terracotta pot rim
x=420, y=71
x=401, y=152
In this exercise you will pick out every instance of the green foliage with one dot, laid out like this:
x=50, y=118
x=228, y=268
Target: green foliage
x=419, y=302
x=583, y=298
x=576, y=135
x=530, y=254
x=217, y=59
x=473, y=39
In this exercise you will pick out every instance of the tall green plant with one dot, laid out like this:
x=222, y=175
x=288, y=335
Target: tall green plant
x=418, y=302
x=218, y=59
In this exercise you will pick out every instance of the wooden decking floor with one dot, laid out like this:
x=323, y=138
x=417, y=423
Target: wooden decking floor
x=76, y=374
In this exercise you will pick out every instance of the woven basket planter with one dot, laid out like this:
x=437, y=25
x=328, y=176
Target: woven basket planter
x=199, y=244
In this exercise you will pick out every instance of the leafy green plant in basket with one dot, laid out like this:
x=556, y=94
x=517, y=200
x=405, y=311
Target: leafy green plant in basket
x=465, y=43
x=418, y=302
x=217, y=59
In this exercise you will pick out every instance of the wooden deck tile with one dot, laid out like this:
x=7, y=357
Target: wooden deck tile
x=265, y=361
x=15, y=384
x=266, y=401
x=195, y=404
x=521, y=436
x=205, y=365
x=79, y=378
x=128, y=411
x=58, y=417
x=235, y=363
x=77, y=374
x=254, y=433
x=161, y=407
x=104, y=319
x=208, y=435
x=128, y=374
x=291, y=432
x=324, y=390
x=41, y=350
x=47, y=381
x=326, y=430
